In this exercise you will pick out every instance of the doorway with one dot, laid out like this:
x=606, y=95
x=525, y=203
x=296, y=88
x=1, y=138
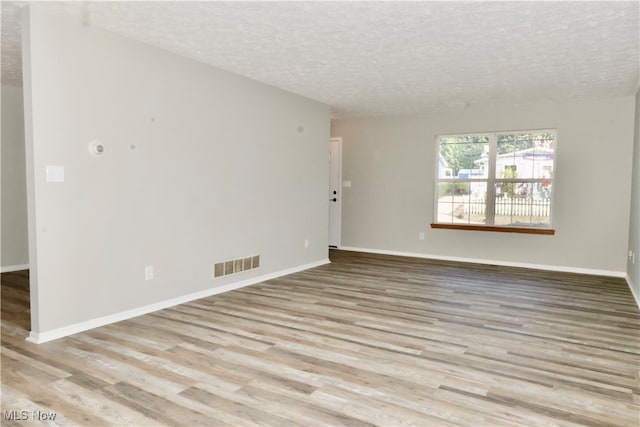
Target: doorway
x=335, y=191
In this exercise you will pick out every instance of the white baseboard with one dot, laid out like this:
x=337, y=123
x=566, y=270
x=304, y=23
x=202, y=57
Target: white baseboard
x=42, y=337
x=632, y=289
x=563, y=269
x=10, y=268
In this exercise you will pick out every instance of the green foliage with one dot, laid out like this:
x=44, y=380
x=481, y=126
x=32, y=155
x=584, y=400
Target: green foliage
x=461, y=152
x=452, y=188
x=509, y=143
x=509, y=188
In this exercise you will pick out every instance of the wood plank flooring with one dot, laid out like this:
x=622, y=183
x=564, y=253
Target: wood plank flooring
x=366, y=340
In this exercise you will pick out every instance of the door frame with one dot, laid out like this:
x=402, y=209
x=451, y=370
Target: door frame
x=339, y=190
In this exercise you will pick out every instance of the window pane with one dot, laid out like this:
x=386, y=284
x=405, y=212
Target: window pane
x=462, y=202
x=524, y=178
x=522, y=204
x=525, y=155
x=463, y=157
x=477, y=203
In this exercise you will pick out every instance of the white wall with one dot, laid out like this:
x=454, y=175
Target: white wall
x=633, y=268
x=15, y=244
x=219, y=171
x=390, y=162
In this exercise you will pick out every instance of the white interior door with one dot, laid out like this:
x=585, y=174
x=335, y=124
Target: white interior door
x=335, y=191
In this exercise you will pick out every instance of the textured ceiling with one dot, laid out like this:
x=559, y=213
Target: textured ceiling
x=378, y=58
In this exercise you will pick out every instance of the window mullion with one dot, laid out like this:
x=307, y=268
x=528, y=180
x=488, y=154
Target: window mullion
x=490, y=201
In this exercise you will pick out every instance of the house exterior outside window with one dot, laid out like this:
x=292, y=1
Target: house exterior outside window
x=498, y=180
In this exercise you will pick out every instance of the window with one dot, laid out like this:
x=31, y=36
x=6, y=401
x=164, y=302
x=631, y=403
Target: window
x=501, y=181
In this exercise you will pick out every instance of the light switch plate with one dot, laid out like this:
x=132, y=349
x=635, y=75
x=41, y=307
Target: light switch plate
x=346, y=184
x=55, y=173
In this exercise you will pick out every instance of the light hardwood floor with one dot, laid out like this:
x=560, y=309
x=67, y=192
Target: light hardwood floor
x=365, y=340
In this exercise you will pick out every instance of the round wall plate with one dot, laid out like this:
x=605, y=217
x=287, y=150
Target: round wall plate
x=96, y=148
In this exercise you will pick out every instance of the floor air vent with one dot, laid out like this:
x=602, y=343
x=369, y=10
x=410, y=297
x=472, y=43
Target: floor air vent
x=234, y=266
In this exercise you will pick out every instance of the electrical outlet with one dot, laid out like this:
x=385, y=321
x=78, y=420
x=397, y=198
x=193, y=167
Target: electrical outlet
x=306, y=243
x=148, y=272
x=421, y=235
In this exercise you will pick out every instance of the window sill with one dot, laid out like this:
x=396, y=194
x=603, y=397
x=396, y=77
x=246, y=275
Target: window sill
x=523, y=230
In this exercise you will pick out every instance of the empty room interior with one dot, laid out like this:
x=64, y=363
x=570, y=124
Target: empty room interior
x=320, y=213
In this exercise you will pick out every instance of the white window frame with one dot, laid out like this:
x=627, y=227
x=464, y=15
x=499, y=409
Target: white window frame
x=491, y=182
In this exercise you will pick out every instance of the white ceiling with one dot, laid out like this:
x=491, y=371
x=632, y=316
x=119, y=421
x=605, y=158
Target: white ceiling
x=379, y=58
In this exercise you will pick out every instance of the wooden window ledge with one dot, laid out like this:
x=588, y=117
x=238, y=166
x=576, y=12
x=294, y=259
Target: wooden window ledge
x=523, y=230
